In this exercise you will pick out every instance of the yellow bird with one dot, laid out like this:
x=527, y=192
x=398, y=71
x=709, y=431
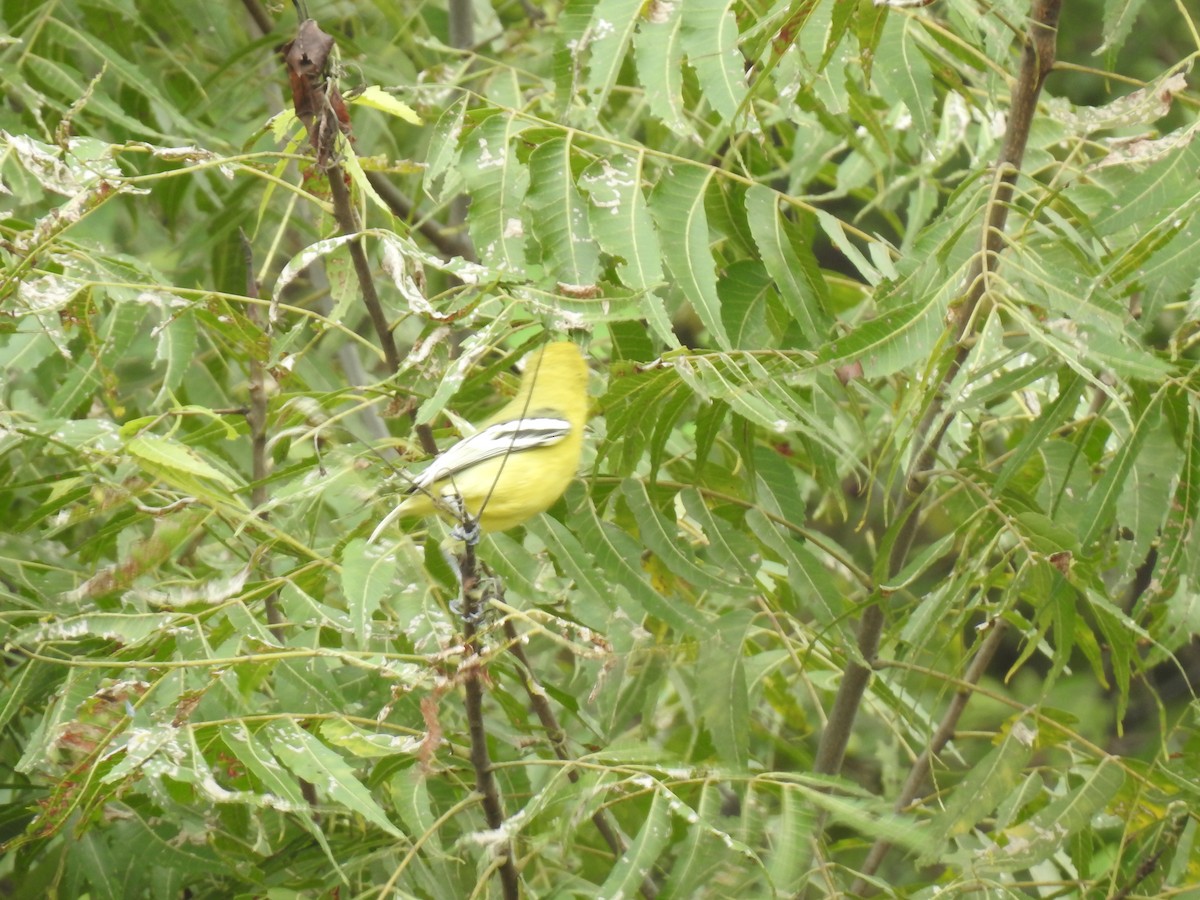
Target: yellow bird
x=521, y=459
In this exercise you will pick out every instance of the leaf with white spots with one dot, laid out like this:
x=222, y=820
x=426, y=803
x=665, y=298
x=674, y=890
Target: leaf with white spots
x=620, y=219
x=560, y=216
x=609, y=37
x=497, y=183
x=325, y=769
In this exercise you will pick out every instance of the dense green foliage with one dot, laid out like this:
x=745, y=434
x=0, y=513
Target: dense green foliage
x=760, y=219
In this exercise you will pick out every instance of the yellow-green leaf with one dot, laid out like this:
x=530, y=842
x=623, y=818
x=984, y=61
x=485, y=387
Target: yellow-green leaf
x=377, y=98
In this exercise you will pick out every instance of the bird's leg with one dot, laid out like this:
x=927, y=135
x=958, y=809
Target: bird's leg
x=469, y=604
x=467, y=531
x=466, y=527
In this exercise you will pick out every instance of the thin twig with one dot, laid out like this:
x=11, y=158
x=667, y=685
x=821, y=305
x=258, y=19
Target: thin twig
x=347, y=219
x=256, y=419
x=485, y=779
x=260, y=16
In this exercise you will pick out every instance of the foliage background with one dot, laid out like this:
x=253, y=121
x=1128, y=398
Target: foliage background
x=759, y=219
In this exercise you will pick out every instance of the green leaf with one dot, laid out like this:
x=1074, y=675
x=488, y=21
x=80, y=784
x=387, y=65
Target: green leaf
x=658, y=52
x=1052, y=418
x=721, y=688
x=901, y=72
x=921, y=562
x=709, y=848
x=836, y=232
x=1178, y=563
x=625, y=405
x=138, y=840
x=128, y=70
x=1145, y=501
x=710, y=39
x=560, y=219
x=497, y=183
x=810, y=578
x=573, y=559
x=892, y=341
x=723, y=541
x=677, y=205
x=608, y=38
x=1042, y=835
x=1149, y=195
x=662, y=538
x=368, y=744
x=279, y=789
x=637, y=862
x=749, y=387
x=872, y=819
x=95, y=859
x=358, y=176
x=620, y=219
x=263, y=766
x=1119, y=18
x=620, y=556
x=162, y=453
x=367, y=573
x=177, y=348
x=572, y=29
x=990, y=781
x=745, y=293
x=790, y=262
x=313, y=761
x=1097, y=514
x=792, y=829
x=375, y=97
x=445, y=150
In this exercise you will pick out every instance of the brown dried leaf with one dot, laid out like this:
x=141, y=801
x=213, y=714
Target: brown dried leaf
x=315, y=97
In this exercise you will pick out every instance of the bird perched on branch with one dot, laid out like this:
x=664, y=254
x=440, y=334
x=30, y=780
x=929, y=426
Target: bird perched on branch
x=520, y=460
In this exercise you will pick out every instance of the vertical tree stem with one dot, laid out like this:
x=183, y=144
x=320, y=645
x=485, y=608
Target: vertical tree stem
x=1036, y=62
